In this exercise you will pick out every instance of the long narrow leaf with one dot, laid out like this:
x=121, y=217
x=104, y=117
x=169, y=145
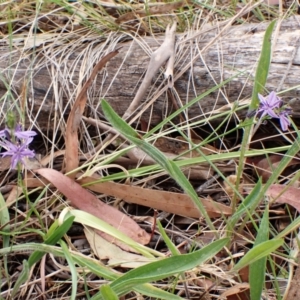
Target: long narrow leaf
x=258, y=252
x=260, y=81
x=263, y=66
x=247, y=206
x=166, y=267
x=172, y=169
x=93, y=265
x=107, y=293
x=257, y=269
x=72, y=267
x=24, y=275
x=52, y=240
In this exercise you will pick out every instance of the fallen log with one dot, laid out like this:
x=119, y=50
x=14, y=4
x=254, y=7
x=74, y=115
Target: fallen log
x=48, y=77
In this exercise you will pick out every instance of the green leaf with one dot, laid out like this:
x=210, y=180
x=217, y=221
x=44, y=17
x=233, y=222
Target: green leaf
x=21, y=279
x=259, y=84
x=93, y=265
x=72, y=267
x=166, y=267
x=257, y=269
x=247, y=206
x=107, y=293
x=4, y=224
x=52, y=239
x=4, y=220
x=170, y=167
x=258, y=252
x=172, y=248
x=262, y=69
x=87, y=219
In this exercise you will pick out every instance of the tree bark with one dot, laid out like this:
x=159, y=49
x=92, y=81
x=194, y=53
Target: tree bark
x=48, y=77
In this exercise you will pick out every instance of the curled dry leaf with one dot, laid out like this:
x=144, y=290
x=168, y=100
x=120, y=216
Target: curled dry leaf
x=179, y=204
x=284, y=194
x=74, y=119
x=86, y=201
x=116, y=256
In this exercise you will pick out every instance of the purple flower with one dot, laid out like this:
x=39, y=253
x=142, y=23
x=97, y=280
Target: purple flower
x=21, y=134
x=18, y=132
x=16, y=144
x=5, y=133
x=17, y=152
x=284, y=119
x=268, y=104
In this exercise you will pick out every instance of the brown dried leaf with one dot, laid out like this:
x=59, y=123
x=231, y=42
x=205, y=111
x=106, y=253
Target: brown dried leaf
x=238, y=292
x=179, y=204
x=116, y=256
x=72, y=145
x=179, y=145
x=232, y=179
x=14, y=194
x=284, y=194
x=267, y=165
x=5, y=163
x=86, y=201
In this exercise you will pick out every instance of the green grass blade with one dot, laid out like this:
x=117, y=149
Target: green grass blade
x=4, y=220
x=257, y=269
x=24, y=275
x=258, y=252
x=167, y=240
x=260, y=81
x=173, y=170
x=4, y=224
x=107, y=293
x=146, y=170
x=246, y=207
x=191, y=103
x=52, y=239
x=72, y=267
x=263, y=66
x=290, y=228
x=166, y=267
x=93, y=265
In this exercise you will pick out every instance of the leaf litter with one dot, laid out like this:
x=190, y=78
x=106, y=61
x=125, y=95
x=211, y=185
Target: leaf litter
x=155, y=191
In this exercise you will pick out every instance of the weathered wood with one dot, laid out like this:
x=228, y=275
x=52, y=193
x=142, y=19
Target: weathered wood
x=54, y=72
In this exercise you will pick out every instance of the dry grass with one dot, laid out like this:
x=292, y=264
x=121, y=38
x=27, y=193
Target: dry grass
x=65, y=40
